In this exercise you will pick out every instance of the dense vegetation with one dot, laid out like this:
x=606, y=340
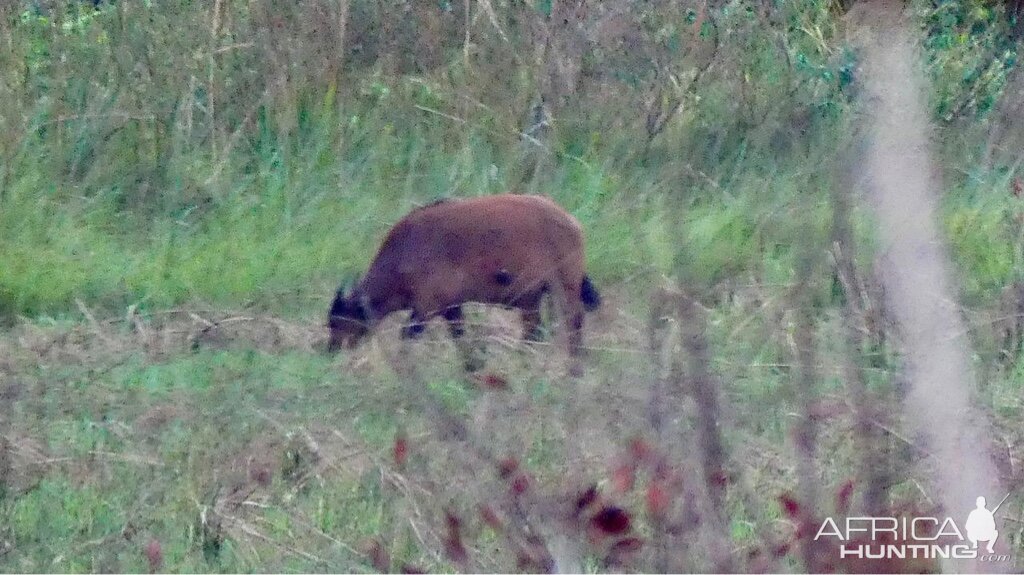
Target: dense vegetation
x=183, y=185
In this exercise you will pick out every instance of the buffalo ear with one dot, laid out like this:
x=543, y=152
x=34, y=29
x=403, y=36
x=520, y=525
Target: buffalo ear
x=344, y=299
x=348, y=285
x=350, y=302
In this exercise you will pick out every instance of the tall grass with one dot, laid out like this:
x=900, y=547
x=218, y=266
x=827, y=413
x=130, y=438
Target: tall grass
x=156, y=154
x=189, y=170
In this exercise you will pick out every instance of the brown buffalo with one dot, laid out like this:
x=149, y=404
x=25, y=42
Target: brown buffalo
x=508, y=250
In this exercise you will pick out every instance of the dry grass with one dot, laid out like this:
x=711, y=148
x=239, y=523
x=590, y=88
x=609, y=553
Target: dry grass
x=255, y=450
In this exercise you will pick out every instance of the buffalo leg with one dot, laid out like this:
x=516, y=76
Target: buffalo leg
x=530, y=316
x=576, y=334
x=572, y=316
x=456, y=324
x=472, y=359
x=572, y=319
x=576, y=345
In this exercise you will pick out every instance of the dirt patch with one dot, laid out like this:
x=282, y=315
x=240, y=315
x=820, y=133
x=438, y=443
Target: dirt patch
x=27, y=462
x=155, y=418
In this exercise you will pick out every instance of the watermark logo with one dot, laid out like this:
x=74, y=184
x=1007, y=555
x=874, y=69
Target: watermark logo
x=916, y=537
x=981, y=526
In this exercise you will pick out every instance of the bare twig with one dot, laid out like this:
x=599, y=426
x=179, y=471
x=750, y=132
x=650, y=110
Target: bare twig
x=234, y=138
x=97, y=330
x=517, y=133
x=253, y=532
x=805, y=383
x=489, y=10
x=704, y=389
x=854, y=318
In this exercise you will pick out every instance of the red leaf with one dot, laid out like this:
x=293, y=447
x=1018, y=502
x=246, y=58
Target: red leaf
x=453, y=542
x=1018, y=187
x=611, y=521
x=154, y=555
x=843, y=496
x=781, y=550
x=639, y=449
x=492, y=381
x=621, y=550
x=507, y=466
x=378, y=556
x=456, y=551
x=623, y=477
x=586, y=499
x=401, y=449
x=790, y=506
x=628, y=545
x=520, y=484
x=453, y=546
x=452, y=522
x=719, y=478
x=657, y=499
x=490, y=517
x=411, y=569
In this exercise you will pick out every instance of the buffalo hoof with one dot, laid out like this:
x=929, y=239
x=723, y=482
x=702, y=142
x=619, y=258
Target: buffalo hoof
x=413, y=330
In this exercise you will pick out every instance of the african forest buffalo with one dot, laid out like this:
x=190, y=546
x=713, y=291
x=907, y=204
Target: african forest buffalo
x=507, y=250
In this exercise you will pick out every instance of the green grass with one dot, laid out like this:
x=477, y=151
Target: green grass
x=120, y=466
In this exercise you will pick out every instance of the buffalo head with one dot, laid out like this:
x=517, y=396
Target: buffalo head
x=348, y=320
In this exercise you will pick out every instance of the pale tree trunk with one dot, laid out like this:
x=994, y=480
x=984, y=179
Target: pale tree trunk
x=916, y=274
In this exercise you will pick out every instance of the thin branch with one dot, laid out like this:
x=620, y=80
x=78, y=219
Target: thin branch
x=518, y=133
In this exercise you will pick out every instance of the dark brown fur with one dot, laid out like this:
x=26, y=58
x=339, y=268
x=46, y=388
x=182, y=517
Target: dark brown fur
x=507, y=250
